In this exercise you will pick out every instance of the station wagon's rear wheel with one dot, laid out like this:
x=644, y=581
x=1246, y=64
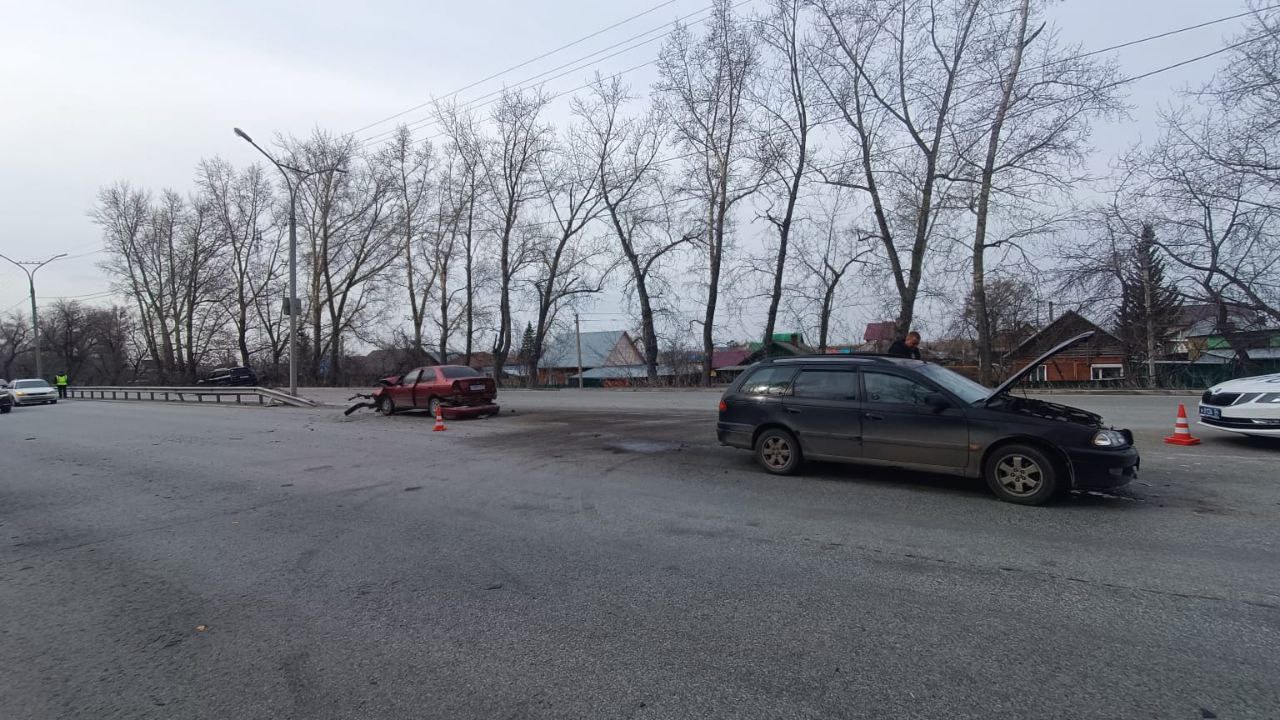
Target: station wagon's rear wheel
x=386, y=406
x=1021, y=474
x=433, y=405
x=778, y=452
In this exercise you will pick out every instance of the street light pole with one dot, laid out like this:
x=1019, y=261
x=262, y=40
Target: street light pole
x=290, y=183
x=31, y=283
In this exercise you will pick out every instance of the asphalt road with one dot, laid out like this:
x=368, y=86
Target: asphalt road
x=596, y=556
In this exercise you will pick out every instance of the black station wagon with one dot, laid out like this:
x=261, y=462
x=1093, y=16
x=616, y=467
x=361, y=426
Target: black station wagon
x=912, y=414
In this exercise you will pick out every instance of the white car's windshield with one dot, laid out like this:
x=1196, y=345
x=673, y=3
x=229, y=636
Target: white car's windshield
x=30, y=384
x=955, y=383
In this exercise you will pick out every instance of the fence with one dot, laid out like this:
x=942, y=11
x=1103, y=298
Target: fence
x=237, y=395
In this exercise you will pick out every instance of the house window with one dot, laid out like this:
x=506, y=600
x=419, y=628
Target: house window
x=1106, y=372
x=1040, y=374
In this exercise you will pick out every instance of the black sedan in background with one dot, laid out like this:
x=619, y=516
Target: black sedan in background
x=236, y=376
x=912, y=414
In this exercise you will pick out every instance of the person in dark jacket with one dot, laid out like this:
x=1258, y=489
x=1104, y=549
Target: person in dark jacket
x=908, y=347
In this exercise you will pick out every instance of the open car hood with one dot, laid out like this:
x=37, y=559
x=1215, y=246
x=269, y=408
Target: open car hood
x=1017, y=377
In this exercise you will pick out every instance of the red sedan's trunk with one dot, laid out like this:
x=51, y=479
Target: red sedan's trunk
x=474, y=391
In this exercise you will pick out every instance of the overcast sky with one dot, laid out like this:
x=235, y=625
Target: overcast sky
x=94, y=92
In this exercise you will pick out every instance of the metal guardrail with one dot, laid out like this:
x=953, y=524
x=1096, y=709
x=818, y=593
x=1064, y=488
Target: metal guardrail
x=198, y=394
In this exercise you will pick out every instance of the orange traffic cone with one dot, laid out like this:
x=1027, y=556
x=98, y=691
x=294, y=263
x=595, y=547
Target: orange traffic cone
x=440, y=422
x=1181, y=431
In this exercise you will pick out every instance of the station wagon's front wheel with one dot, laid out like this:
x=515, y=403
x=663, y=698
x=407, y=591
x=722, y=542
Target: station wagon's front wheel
x=778, y=452
x=1021, y=474
x=386, y=406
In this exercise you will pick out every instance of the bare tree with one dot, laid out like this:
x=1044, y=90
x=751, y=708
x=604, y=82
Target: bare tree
x=164, y=254
x=240, y=204
x=893, y=71
x=346, y=222
x=702, y=95
x=826, y=252
x=783, y=99
x=1089, y=270
x=510, y=166
x=1024, y=137
x=15, y=336
x=1222, y=241
x=625, y=153
x=89, y=343
x=410, y=167
x=562, y=261
x=455, y=201
x=465, y=191
x=1243, y=99
x=1011, y=314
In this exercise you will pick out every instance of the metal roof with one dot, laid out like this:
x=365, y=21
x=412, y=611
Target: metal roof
x=596, y=349
x=1224, y=356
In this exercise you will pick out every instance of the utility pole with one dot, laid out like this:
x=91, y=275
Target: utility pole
x=1148, y=298
x=577, y=331
x=31, y=282
x=292, y=302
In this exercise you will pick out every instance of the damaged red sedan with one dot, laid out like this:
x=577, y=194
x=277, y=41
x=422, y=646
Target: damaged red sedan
x=456, y=390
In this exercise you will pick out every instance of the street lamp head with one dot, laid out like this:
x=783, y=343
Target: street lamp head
x=244, y=135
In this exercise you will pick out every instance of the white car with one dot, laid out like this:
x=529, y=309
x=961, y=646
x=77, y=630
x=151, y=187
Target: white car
x=32, y=392
x=1250, y=406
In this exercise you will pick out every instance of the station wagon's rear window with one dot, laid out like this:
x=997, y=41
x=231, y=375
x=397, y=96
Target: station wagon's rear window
x=826, y=385
x=769, y=381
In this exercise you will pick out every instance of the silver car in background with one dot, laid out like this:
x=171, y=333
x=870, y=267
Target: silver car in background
x=32, y=392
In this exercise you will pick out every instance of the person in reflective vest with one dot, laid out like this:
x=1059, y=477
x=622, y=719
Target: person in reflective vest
x=61, y=381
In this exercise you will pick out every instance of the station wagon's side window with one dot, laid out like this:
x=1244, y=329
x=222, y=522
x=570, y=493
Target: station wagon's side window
x=769, y=381
x=411, y=378
x=886, y=388
x=826, y=385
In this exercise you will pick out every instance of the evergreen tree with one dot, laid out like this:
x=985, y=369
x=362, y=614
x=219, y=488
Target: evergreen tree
x=526, y=345
x=1149, y=303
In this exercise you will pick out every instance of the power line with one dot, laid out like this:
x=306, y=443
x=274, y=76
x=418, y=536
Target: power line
x=530, y=61
x=86, y=296
x=491, y=97
x=476, y=102
x=1169, y=33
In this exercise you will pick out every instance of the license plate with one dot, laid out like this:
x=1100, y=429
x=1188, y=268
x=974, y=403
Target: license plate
x=1210, y=412
x=477, y=387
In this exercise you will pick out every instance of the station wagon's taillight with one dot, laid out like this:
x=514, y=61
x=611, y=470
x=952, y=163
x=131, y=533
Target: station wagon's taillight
x=723, y=406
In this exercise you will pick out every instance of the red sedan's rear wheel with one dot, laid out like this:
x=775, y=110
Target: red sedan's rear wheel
x=385, y=405
x=433, y=405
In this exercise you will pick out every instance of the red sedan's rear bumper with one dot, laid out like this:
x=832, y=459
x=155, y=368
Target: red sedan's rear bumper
x=469, y=411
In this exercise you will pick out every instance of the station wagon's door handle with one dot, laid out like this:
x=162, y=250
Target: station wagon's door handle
x=873, y=416
x=794, y=411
